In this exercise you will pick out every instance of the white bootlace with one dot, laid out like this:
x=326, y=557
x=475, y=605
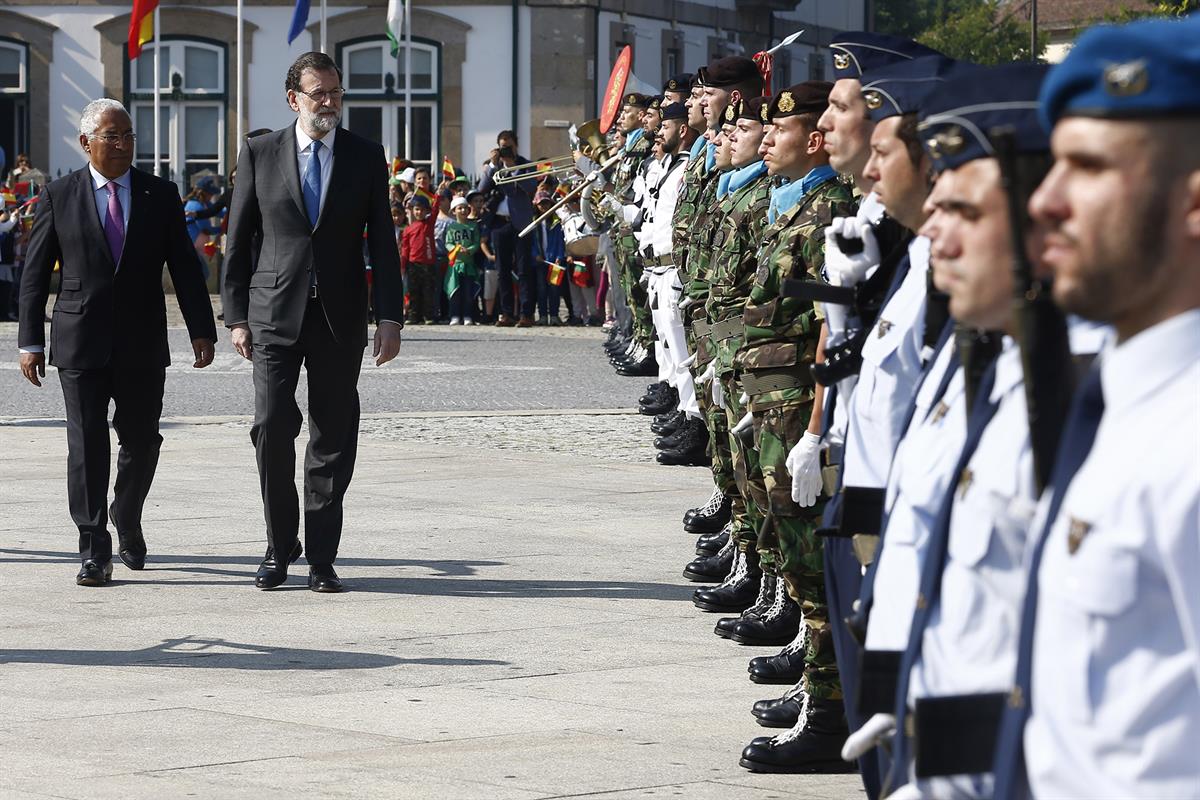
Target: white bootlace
x=796, y=730
x=715, y=501
x=777, y=606
x=741, y=568
x=764, y=588
x=800, y=643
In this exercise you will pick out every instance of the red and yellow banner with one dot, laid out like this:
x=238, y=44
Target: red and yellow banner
x=141, y=26
x=615, y=93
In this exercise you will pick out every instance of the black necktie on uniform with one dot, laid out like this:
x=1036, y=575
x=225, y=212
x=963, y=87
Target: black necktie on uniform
x=1076, y=443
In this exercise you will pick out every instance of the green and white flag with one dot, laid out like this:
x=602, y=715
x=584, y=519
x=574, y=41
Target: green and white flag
x=395, y=23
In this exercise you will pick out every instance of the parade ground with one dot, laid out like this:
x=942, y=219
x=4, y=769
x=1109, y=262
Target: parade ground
x=516, y=624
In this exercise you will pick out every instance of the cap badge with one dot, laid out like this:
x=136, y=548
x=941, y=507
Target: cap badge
x=730, y=113
x=873, y=100
x=951, y=141
x=672, y=85
x=841, y=60
x=764, y=112
x=787, y=103
x=1126, y=80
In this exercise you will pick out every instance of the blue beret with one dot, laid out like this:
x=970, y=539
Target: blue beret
x=1144, y=69
x=674, y=111
x=900, y=88
x=856, y=52
x=957, y=119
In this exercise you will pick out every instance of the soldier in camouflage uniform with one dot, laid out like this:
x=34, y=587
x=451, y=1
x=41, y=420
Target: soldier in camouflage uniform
x=782, y=335
x=625, y=244
x=744, y=198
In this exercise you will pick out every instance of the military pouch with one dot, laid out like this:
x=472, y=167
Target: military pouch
x=862, y=510
x=762, y=381
x=956, y=735
x=879, y=673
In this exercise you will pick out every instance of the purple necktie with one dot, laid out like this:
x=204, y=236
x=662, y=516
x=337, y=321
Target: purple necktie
x=114, y=223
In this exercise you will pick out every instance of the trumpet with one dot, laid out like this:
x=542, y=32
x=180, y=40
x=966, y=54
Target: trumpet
x=534, y=170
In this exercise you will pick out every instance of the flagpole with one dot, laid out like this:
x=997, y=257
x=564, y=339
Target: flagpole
x=237, y=141
x=408, y=81
x=323, y=40
x=157, y=92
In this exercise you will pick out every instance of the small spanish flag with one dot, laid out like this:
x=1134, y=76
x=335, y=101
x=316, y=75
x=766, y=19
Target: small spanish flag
x=561, y=190
x=141, y=26
x=428, y=195
x=545, y=166
x=447, y=168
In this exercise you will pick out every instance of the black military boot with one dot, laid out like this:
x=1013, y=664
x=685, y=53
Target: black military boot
x=780, y=712
x=712, y=516
x=738, y=592
x=785, y=667
x=692, y=449
x=812, y=745
x=767, y=587
x=779, y=625
x=710, y=543
x=677, y=439
x=709, y=569
x=643, y=364
x=667, y=423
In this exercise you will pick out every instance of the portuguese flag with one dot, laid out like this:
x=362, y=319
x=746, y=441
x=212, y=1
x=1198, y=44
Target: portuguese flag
x=141, y=26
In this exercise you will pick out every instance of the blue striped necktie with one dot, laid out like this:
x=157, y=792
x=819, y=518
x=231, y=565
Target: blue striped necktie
x=312, y=184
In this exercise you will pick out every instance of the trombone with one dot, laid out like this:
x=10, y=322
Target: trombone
x=533, y=170
x=595, y=176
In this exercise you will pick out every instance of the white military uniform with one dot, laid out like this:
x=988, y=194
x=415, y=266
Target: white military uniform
x=1116, y=657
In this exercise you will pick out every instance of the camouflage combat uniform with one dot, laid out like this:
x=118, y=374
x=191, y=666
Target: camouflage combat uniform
x=738, y=232
x=781, y=335
x=625, y=244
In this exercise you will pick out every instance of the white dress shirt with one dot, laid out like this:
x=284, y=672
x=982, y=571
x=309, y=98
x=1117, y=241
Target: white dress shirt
x=304, y=153
x=659, y=239
x=1116, y=658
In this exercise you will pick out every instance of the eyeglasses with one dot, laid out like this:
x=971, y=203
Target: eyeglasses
x=115, y=138
x=320, y=97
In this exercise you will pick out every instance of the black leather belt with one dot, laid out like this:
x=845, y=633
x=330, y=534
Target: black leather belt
x=762, y=381
x=819, y=292
x=956, y=735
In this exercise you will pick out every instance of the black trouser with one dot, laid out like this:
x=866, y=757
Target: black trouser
x=514, y=257
x=137, y=394
x=333, y=412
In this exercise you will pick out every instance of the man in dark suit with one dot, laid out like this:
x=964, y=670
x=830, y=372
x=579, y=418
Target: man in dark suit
x=511, y=207
x=111, y=227
x=309, y=190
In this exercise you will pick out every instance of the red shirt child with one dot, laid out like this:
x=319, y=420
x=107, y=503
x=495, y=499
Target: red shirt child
x=417, y=241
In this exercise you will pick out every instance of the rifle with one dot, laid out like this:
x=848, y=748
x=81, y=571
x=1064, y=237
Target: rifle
x=1041, y=328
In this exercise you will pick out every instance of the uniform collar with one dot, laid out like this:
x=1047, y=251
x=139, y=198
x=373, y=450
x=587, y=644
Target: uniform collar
x=99, y=181
x=303, y=140
x=1133, y=371
x=1009, y=372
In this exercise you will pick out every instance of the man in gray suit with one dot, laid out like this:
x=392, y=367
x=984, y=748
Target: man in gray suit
x=308, y=191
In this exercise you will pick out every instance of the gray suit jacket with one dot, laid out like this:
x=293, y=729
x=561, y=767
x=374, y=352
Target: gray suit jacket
x=273, y=296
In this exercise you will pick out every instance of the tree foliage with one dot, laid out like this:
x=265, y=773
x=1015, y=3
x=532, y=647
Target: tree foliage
x=1155, y=8
x=983, y=31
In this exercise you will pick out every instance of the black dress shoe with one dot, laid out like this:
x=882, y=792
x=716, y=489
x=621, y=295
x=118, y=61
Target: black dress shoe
x=270, y=572
x=710, y=517
x=297, y=550
x=131, y=545
x=766, y=598
x=666, y=424
x=656, y=393
x=778, y=626
x=93, y=573
x=711, y=569
x=642, y=367
x=783, y=714
x=322, y=578
x=692, y=457
x=812, y=745
x=654, y=409
x=711, y=543
x=738, y=591
x=783, y=668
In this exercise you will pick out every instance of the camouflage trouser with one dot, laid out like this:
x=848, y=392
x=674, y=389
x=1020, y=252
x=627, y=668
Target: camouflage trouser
x=792, y=530
x=745, y=464
x=636, y=295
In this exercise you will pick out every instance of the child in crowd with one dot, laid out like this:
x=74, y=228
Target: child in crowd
x=485, y=258
x=549, y=248
x=462, y=245
x=418, y=257
x=443, y=220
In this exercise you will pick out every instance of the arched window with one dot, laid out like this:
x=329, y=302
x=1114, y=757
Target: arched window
x=374, y=103
x=192, y=88
x=14, y=99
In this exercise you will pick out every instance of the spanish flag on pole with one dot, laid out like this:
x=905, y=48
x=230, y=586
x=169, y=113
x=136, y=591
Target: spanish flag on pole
x=447, y=168
x=141, y=26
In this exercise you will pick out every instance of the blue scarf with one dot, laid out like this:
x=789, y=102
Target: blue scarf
x=632, y=139
x=710, y=159
x=697, y=146
x=784, y=197
x=739, y=178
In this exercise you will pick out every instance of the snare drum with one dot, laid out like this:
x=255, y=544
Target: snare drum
x=579, y=237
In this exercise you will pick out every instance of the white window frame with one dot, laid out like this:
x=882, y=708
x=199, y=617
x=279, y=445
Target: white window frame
x=174, y=133
x=435, y=79
x=173, y=55
x=391, y=126
x=22, y=86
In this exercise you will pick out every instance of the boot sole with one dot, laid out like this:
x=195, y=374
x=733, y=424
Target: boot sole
x=749, y=642
x=715, y=609
x=697, y=577
x=780, y=724
x=816, y=768
x=772, y=680
x=704, y=527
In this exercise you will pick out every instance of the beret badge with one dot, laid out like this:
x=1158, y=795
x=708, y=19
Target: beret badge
x=841, y=60
x=786, y=103
x=764, y=112
x=873, y=100
x=730, y=113
x=1126, y=80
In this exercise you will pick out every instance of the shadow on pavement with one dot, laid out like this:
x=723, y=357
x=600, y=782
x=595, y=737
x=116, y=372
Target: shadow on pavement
x=198, y=653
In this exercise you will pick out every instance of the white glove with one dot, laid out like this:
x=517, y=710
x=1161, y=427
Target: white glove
x=594, y=175
x=744, y=423
x=685, y=302
x=614, y=205
x=708, y=373
x=847, y=270
x=804, y=465
x=689, y=362
x=870, y=735
x=745, y=398
x=718, y=394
